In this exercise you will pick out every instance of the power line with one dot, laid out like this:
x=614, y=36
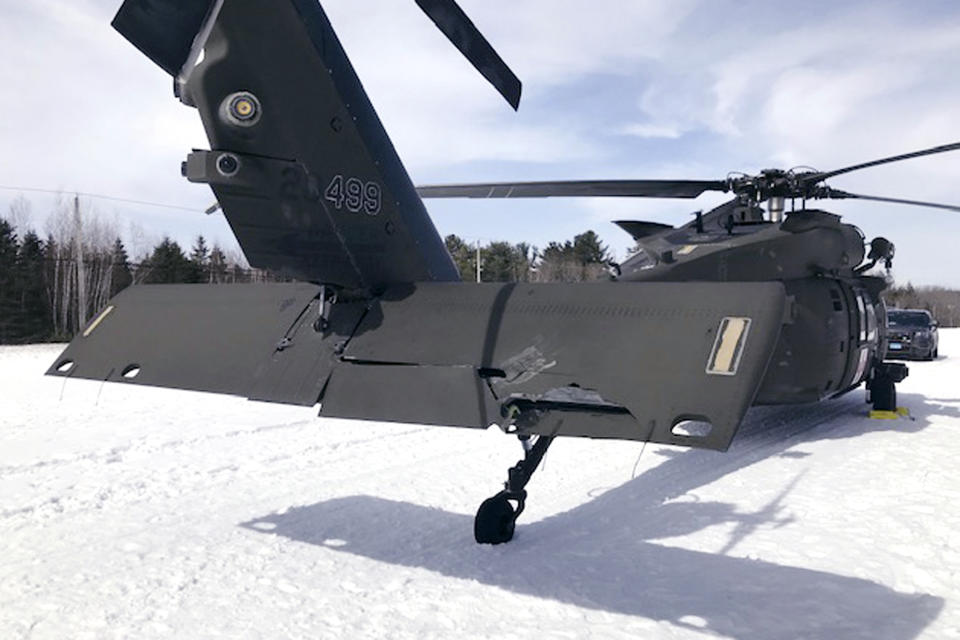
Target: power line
x=101, y=197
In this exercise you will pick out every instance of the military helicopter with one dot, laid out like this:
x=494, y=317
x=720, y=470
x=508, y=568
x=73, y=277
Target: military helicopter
x=739, y=307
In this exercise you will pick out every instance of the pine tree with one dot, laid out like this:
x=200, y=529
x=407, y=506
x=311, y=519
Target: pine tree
x=53, y=281
x=464, y=256
x=525, y=256
x=497, y=262
x=36, y=317
x=9, y=303
x=199, y=256
x=167, y=264
x=556, y=252
x=588, y=249
x=217, y=265
x=505, y=262
x=558, y=264
x=121, y=276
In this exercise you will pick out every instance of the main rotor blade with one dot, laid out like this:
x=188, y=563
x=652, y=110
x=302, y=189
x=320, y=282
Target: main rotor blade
x=458, y=28
x=575, y=188
x=819, y=177
x=836, y=194
x=163, y=30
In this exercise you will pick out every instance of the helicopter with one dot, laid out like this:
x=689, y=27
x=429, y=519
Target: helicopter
x=741, y=306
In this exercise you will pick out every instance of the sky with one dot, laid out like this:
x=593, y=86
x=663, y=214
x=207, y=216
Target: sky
x=642, y=89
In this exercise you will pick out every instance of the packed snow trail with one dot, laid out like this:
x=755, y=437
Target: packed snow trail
x=134, y=512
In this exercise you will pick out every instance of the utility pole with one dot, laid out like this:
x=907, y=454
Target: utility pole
x=80, y=272
x=478, y=260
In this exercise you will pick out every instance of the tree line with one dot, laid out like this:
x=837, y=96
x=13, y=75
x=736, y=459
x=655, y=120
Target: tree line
x=581, y=259
x=50, y=287
x=942, y=303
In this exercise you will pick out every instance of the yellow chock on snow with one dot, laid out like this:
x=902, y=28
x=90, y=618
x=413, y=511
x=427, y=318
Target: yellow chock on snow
x=901, y=412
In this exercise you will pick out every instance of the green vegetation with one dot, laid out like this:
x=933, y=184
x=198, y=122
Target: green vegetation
x=50, y=288
x=583, y=258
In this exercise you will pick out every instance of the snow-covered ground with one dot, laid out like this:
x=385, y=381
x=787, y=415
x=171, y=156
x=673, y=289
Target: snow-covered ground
x=137, y=513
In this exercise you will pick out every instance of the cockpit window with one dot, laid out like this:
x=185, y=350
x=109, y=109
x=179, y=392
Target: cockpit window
x=908, y=318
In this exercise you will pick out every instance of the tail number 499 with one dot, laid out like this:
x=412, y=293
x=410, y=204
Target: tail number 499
x=355, y=195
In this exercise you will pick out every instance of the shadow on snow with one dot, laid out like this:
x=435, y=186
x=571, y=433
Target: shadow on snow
x=598, y=555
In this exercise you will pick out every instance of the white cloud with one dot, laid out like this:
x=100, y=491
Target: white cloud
x=705, y=87
x=647, y=130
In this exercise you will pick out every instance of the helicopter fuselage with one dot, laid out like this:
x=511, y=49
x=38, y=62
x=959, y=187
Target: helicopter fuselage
x=834, y=332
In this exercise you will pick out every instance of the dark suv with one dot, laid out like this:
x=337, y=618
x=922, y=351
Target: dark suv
x=911, y=333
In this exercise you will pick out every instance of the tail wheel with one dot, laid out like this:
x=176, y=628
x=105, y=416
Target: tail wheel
x=495, y=520
x=883, y=394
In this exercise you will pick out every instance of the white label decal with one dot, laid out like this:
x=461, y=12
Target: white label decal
x=96, y=322
x=728, y=346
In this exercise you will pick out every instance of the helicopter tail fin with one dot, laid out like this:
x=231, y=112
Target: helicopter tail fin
x=302, y=167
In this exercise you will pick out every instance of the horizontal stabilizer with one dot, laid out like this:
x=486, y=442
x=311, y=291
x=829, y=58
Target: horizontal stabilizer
x=603, y=359
x=676, y=363
x=641, y=229
x=237, y=339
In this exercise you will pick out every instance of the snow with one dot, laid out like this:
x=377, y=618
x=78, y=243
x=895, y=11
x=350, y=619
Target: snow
x=152, y=513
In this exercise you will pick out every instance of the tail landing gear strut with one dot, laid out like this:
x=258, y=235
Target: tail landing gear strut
x=497, y=517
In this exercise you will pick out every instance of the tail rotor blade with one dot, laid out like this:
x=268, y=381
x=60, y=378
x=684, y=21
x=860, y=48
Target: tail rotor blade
x=163, y=30
x=458, y=28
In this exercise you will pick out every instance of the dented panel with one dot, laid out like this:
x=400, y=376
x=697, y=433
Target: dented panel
x=448, y=396
x=641, y=346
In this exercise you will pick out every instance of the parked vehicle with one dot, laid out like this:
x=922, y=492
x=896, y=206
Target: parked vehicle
x=911, y=333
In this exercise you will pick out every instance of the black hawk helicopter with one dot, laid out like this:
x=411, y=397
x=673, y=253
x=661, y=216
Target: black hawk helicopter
x=739, y=307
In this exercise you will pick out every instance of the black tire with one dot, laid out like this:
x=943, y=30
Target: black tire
x=883, y=394
x=495, y=521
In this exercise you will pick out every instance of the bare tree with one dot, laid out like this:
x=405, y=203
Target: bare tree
x=942, y=303
x=80, y=263
x=20, y=214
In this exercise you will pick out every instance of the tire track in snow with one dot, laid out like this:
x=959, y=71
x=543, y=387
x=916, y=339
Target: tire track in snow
x=774, y=429
x=332, y=452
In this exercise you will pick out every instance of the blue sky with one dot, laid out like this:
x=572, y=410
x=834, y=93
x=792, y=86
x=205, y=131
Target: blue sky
x=641, y=89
